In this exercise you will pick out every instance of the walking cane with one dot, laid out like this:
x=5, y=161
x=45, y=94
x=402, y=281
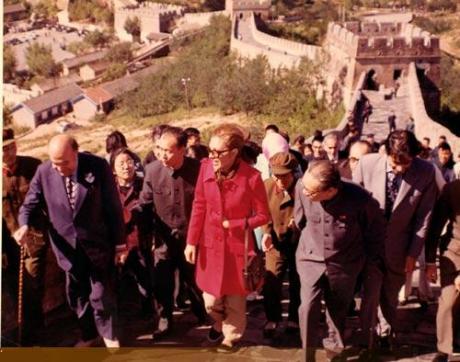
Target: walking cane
x=20, y=293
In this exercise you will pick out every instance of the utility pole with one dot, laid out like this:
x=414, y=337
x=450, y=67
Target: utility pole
x=185, y=81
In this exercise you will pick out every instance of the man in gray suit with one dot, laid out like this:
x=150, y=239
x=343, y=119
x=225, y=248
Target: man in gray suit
x=404, y=186
x=342, y=228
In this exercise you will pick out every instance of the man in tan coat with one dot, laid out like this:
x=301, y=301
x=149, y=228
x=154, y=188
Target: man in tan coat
x=280, y=243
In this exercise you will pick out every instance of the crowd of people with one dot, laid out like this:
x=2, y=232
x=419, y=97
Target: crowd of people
x=341, y=216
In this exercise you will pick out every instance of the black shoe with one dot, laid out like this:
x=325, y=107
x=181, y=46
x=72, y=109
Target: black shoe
x=385, y=344
x=225, y=348
x=269, y=329
x=214, y=336
x=440, y=357
x=368, y=355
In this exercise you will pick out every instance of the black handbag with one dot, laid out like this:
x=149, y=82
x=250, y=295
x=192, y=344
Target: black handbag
x=254, y=267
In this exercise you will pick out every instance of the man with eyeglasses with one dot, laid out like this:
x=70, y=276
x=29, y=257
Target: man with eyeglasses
x=167, y=195
x=341, y=228
x=404, y=186
x=357, y=150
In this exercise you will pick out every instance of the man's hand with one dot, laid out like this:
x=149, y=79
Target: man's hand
x=20, y=235
x=431, y=272
x=121, y=256
x=457, y=283
x=190, y=253
x=267, y=242
x=410, y=264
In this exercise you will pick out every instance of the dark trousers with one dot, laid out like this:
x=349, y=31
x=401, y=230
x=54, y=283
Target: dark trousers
x=166, y=261
x=448, y=316
x=90, y=294
x=337, y=289
x=372, y=277
x=276, y=264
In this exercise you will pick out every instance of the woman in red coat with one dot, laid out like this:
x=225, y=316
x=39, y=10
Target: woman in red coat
x=229, y=194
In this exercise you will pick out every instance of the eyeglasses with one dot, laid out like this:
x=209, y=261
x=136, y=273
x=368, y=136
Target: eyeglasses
x=218, y=154
x=281, y=177
x=310, y=193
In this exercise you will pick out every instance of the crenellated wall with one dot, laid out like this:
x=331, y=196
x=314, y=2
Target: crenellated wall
x=424, y=125
x=152, y=17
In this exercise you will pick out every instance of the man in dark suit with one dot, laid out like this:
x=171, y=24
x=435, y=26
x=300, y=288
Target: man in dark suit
x=86, y=224
x=448, y=317
x=167, y=195
x=342, y=228
x=405, y=188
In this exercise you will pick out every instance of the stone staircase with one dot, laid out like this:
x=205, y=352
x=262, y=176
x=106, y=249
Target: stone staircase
x=381, y=109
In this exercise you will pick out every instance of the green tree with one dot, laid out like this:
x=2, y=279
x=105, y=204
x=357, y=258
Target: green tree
x=97, y=39
x=46, y=9
x=7, y=116
x=9, y=63
x=133, y=27
x=40, y=60
x=114, y=71
x=79, y=47
x=120, y=53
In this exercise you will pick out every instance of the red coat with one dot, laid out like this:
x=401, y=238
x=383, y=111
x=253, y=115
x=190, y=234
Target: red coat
x=220, y=260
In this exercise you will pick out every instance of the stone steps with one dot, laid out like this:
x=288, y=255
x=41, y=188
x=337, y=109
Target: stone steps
x=381, y=109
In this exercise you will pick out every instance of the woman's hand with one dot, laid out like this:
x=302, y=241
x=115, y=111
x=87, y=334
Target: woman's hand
x=190, y=253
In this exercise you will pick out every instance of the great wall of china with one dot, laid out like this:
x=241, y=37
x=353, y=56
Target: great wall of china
x=354, y=54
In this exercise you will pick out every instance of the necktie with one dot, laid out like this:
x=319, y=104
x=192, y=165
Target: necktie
x=70, y=188
x=392, y=192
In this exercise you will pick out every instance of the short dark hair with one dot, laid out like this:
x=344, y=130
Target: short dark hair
x=121, y=151
x=157, y=131
x=317, y=139
x=444, y=146
x=250, y=152
x=114, y=141
x=272, y=127
x=325, y=172
x=178, y=133
x=402, y=146
x=192, y=131
x=299, y=139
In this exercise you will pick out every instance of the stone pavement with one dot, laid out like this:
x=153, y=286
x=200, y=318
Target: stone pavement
x=188, y=341
x=381, y=109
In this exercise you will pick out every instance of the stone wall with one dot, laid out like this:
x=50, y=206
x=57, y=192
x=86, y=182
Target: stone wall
x=284, y=45
x=153, y=18
x=424, y=125
x=201, y=19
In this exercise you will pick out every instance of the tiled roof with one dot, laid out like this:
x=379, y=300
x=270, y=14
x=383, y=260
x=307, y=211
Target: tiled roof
x=53, y=98
x=98, y=95
x=84, y=59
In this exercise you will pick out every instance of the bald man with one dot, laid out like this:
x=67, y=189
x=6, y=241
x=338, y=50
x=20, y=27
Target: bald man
x=86, y=226
x=357, y=150
x=342, y=228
